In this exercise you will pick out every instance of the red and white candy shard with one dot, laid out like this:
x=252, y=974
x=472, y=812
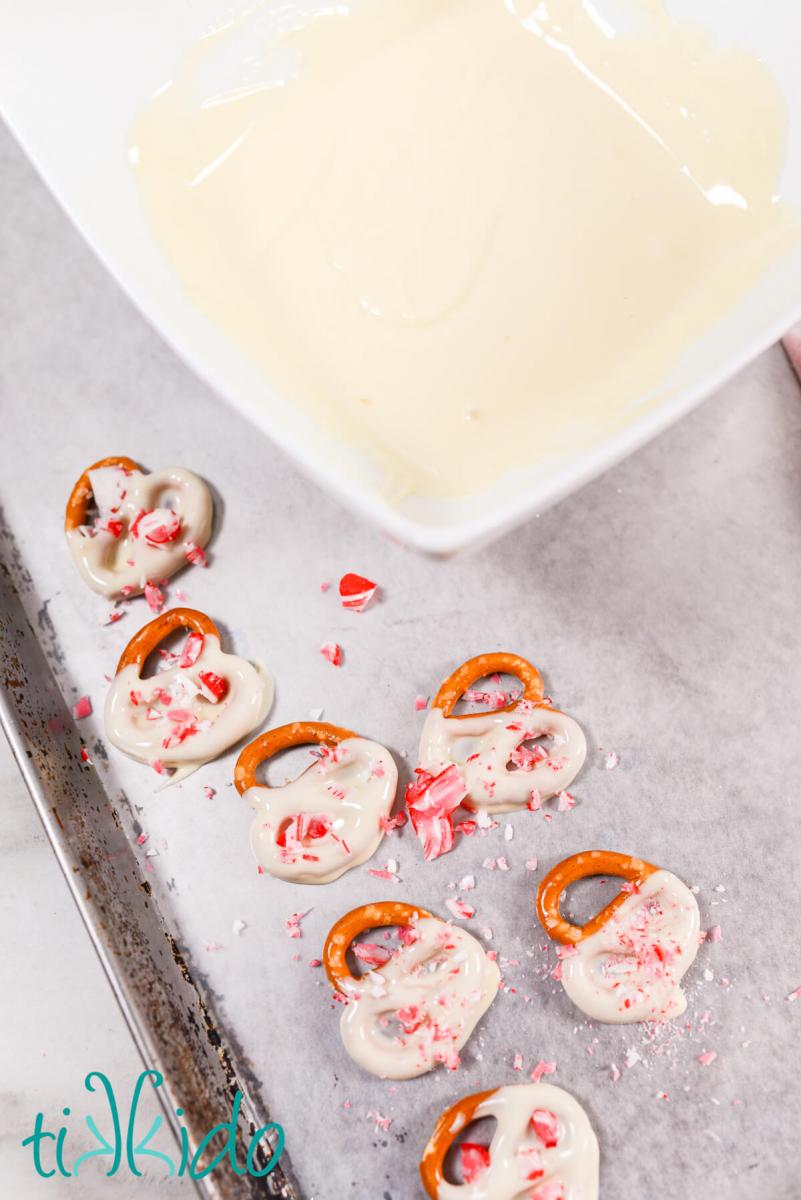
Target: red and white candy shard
x=631, y=968
x=501, y=770
x=144, y=525
x=431, y=800
x=419, y=1009
x=356, y=592
x=201, y=704
x=328, y=820
x=543, y=1148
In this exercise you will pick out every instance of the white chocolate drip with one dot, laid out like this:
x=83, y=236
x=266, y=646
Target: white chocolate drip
x=436, y=990
x=482, y=746
x=631, y=969
x=121, y=566
x=171, y=702
x=518, y=1153
x=347, y=790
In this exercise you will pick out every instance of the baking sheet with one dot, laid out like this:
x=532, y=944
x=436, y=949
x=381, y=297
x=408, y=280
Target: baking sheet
x=661, y=605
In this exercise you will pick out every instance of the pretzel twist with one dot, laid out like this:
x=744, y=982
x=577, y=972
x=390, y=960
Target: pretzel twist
x=582, y=866
x=78, y=503
x=301, y=733
x=447, y=1129
x=457, y=684
x=369, y=916
x=151, y=635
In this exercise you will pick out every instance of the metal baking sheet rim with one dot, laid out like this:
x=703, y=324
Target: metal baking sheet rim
x=168, y=1011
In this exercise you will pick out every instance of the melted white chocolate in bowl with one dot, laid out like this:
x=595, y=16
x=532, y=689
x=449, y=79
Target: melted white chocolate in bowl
x=467, y=235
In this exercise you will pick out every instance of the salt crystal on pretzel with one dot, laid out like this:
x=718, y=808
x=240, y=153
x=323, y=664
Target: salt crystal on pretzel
x=543, y=1147
x=137, y=536
x=327, y=820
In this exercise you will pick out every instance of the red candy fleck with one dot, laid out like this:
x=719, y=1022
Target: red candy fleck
x=546, y=1127
x=82, y=708
x=212, y=686
x=157, y=526
x=431, y=800
x=356, y=592
x=195, y=555
x=371, y=954
x=192, y=650
x=475, y=1160
x=332, y=653
x=154, y=597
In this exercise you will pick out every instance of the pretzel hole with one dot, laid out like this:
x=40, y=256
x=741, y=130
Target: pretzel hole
x=476, y=1133
x=586, y=897
x=387, y=938
x=286, y=765
x=158, y=659
x=485, y=695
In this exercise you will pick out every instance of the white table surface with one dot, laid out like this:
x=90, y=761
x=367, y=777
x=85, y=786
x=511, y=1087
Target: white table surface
x=58, y=1017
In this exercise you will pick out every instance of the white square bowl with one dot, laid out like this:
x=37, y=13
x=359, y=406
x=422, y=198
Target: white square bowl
x=72, y=78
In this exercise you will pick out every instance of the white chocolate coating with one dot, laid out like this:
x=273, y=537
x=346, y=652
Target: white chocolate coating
x=121, y=566
x=140, y=730
x=482, y=744
x=516, y=1151
x=351, y=787
x=630, y=970
x=442, y=984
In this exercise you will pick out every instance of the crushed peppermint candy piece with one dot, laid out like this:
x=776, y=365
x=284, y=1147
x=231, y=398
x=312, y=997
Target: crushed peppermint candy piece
x=707, y=1058
x=517, y=1062
x=212, y=686
x=157, y=527
x=239, y=926
x=614, y=1071
x=82, y=708
x=611, y=760
x=371, y=954
x=195, y=555
x=431, y=800
x=378, y=1120
x=158, y=766
x=468, y=883
x=546, y=1127
x=154, y=596
x=209, y=792
x=420, y=702
x=532, y=864
x=715, y=934
x=191, y=650
x=292, y=923
x=459, y=909
x=332, y=652
x=475, y=1160
x=795, y=995
x=566, y=802
x=390, y=823
x=542, y=1068
x=356, y=592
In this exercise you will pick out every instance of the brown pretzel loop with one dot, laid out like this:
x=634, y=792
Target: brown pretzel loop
x=301, y=733
x=369, y=916
x=151, y=635
x=447, y=1129
x=78, y=503
x=582, y=866
x=458, y=683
